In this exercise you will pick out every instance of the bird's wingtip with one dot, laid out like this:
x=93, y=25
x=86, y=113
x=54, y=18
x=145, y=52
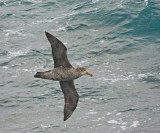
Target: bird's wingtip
x=66, y=116
x=46, y=33
x=49, y=36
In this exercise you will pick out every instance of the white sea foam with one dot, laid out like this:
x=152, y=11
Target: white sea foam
x=92, y=113
x=95, y=1
x=135, y=124
x=142, y=75
x=118, y=113
x=97, y=119
x=13, y=32
x=26, y=70
x=102, y=41
x=108, y=113
x=5, y=67
x=63, y=16
x=35, y=1
x=113, y=122
x=146, y=2
x=44, y=127
x=79, y=63
x=123, y=127
x=119, y=122
x=17, y=53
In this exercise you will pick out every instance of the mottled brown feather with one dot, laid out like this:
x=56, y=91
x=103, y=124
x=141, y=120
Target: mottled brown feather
x=59, y=52
x=71, y=98
x=65, y=73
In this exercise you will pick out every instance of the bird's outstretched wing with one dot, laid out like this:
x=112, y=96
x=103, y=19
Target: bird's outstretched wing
x=59, y=51
x=71, y=98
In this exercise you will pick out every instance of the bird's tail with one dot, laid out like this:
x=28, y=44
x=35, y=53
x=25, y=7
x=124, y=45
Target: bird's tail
x=38, y=75
x=43, y=75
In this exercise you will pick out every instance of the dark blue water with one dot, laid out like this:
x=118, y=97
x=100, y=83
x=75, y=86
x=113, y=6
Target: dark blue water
x=118, y=41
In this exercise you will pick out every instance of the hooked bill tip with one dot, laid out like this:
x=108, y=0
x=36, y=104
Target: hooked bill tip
x=90, y=74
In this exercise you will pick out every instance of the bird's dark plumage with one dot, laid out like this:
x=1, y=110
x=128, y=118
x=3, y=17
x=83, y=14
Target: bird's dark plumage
x=65, y=73
x=71, y=97
x=59, y=52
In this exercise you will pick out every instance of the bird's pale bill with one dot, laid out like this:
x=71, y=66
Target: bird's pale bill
x=88, y=73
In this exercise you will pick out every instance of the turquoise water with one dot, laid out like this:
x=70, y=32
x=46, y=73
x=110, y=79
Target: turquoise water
x=117, y=40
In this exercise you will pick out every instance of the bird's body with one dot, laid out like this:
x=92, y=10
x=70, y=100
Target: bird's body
x=60, y=74
x=65, y=73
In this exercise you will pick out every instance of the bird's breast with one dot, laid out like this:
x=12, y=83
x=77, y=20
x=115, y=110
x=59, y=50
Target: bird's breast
x=64, y=74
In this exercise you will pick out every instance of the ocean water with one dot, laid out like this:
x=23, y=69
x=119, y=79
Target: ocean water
x=117, y=40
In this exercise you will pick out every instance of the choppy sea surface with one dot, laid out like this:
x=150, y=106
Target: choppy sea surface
x=117, y=40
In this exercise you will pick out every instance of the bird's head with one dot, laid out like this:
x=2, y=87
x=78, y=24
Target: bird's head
x=83, y=71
